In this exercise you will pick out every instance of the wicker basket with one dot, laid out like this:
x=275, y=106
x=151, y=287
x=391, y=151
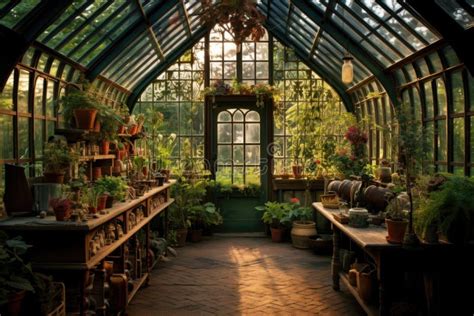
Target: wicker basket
x=60, y=310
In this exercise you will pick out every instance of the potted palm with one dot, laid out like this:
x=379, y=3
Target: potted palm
x=277, y=216
x=56, y=160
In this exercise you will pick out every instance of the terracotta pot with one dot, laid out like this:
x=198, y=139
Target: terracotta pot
x=97, y=126
x=375, y=198
x=53, y=177
x=166, y=173
x=139, y=127
x=181, y=236
x=110, y=201
x=396, y=230
x=334, y=185
x=297, y=171
x=101, y=202
x=62, y=213
x=105, y=147
x=85, y=118
x=196, y=235
x=92, y=209
x=344, y=191
x=160, y=180
x=277, y=234
x=14, y=304
x=132, y=130
x=145, y=171
x=96, y=173
x=121, y=129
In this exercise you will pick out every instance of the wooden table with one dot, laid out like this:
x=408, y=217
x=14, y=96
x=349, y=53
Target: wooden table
x=65, y=249
x=428, y=260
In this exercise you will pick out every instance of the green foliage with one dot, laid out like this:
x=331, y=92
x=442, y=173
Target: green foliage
x=115, y=186
x=276, y=214
x=396, y=209
x=201, y=216
x=110, y=119
x=187, y=195
x=15, y=274
x=58, y=156
x=451, y=209
x=78, y=99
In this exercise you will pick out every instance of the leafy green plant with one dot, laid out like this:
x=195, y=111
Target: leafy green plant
x=187, y=195
x=58, y=157
x=451, y=209
x=115, y=186
x=77, y=98
x=395, y=209
x=201, y=216
x=276, y=214
x=15, y=274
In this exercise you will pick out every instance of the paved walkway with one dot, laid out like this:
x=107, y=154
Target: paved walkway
x=249, y=276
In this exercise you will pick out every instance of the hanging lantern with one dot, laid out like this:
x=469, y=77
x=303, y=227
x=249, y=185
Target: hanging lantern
x=347, y=73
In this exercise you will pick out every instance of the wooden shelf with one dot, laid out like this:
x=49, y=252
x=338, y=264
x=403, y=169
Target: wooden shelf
x=137, y=284
x=368, y=308
x=96, y=157
x=297, y=184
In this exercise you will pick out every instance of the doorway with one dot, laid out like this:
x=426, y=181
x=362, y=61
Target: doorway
x=238, y=133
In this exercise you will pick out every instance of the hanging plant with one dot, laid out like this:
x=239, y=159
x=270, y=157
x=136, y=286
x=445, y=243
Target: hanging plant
x=240, y=18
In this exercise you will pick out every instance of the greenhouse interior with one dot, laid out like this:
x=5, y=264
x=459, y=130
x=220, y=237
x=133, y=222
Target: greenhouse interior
x=236, y=157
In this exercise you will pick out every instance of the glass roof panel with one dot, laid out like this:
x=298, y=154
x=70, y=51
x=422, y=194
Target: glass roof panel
x=12, y=16
x=461, y=16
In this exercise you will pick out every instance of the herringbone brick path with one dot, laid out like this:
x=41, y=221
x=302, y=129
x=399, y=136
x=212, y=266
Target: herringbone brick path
x=243, y=276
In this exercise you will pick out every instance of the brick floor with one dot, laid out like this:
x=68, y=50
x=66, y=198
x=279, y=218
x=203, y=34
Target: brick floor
x=243, y=276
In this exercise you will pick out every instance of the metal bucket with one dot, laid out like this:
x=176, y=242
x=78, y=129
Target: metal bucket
x=43, y=192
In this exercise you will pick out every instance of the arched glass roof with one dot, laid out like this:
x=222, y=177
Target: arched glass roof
x=128, y=41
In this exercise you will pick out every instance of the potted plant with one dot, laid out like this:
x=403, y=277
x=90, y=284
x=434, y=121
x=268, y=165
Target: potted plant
x=108, y=128
x=115, y=187
x=81, y=105
x=56, y=160
x=188, y=195
x=165, y=148
x=15, y=275
x=277, y=216
x=91, y=198
x=62, y=208
x=303, y=226
x=395, y=218
x=450, y=209
x=140, y=119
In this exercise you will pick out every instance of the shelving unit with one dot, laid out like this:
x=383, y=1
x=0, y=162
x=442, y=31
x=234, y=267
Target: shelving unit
x=64, y=249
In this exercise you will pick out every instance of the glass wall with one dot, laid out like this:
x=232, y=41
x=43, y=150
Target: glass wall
x=177, y=91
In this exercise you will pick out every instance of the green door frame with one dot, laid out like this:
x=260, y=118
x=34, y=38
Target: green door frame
x=218, y=103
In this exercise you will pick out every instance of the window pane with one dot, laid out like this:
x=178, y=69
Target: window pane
x=6, y=137
x=23, y=136
x=458, y=92
x=472, y=140
x=224, y=154
x=238, y=135
x=430, y=141
x=6, y=97
x=50, y=99
x=39, y=88
x=23, y=89
x=441, y=128
x=238, y=155
x=39, y=139
x=428, y=100
x=224, y=116
x=252, y=154
x=441, y=90
x=224, y=133
x=458, y=139
x=252, y=133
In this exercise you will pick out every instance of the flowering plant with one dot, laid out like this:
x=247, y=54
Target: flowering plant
x=355, y=136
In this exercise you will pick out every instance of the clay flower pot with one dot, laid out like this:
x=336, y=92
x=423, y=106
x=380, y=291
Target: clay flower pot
x=62, y=213
x=133, y=129
x=13, y=306
x=96, y=173
x=277, y=234
x=97, y=126
x=121, y=129
x=92, y=209
x=85, y=118
x=105, y=147
x=101, y=202
x=53, y=177
x=396, y=230
x=110, y=201
x=297, y=171
x=196, y=235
